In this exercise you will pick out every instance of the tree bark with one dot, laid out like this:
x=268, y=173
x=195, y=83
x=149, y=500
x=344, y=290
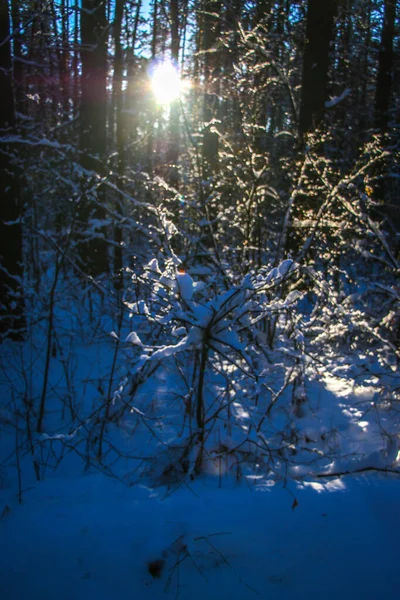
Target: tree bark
x=384, y=78
x=319, y=34
x=173, y=150
x=93, y=114
x=12, y=310
x=211, y=25
x=119, y=137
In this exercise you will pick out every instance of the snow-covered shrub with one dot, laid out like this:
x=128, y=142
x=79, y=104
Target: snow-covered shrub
x=227, y=355
x=240, y=368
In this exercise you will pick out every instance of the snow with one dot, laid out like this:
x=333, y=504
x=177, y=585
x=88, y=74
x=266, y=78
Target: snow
x=221, y=535
x=298, y=493
x=337, y=99
x=185, y=285
x=91, y=537
x=134, y=339
x=153, y=265
x=286, y=267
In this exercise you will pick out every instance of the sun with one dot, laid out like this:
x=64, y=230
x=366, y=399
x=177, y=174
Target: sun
x=166, y=83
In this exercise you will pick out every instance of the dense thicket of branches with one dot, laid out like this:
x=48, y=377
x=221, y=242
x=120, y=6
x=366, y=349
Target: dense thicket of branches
x=262, y=75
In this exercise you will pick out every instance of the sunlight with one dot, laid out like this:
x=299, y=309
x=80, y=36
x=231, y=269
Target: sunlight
x=166, y=83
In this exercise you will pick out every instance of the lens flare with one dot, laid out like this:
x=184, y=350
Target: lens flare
x=166, y=83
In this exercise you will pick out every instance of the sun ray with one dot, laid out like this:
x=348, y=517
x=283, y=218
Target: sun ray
x=166, y=83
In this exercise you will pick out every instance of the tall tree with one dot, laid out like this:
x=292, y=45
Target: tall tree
x=149, y=159
x=363, y=105
x=12, y=320
x=75, y=62
x=119, y=131
x=319, y=34
x=173, y=150
x=262, y=9
x=93, y=114
x=17, y=56
x=384, y=78
x=386, y=190
x=210, y=31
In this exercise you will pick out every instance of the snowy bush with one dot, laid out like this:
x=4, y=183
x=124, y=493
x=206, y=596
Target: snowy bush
x=238, y=365
x=220, y=347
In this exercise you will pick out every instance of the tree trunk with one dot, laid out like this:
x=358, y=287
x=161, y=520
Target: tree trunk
x=173, y=149
x=12, y=313
x=119, y=137
x=384, y=190
x=149, y=160
x=19, y=92
x=319, y=34
x=384, y=78
x=211, y=24
x=131, y=118
x=75, y=63
x=93, y=113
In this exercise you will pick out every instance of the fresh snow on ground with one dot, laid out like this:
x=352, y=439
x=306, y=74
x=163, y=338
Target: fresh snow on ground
x=91, y=537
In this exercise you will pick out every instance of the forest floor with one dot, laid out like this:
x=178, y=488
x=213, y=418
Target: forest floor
x=91, y=537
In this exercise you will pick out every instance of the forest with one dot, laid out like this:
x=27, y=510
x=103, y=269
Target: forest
x=199, y=297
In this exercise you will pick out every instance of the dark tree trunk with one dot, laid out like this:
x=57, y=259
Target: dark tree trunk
x=319, y=34
x=93, y=114
x=75, y=63
x=119, y=135
x=94, y=79
x=173, y=150
x=263, y=8
x=154, y=30
x=12, y=314
x=131, y=120
x=229, y=112
x=384, y=189
x=384, y=79
x=19, y=93
x=365, y=113
x=65, y=71
x=149, y=159
x=211, y=27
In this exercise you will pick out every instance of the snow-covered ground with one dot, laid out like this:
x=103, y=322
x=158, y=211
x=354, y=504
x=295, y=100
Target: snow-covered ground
x=92, y=537
x=297, y=494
